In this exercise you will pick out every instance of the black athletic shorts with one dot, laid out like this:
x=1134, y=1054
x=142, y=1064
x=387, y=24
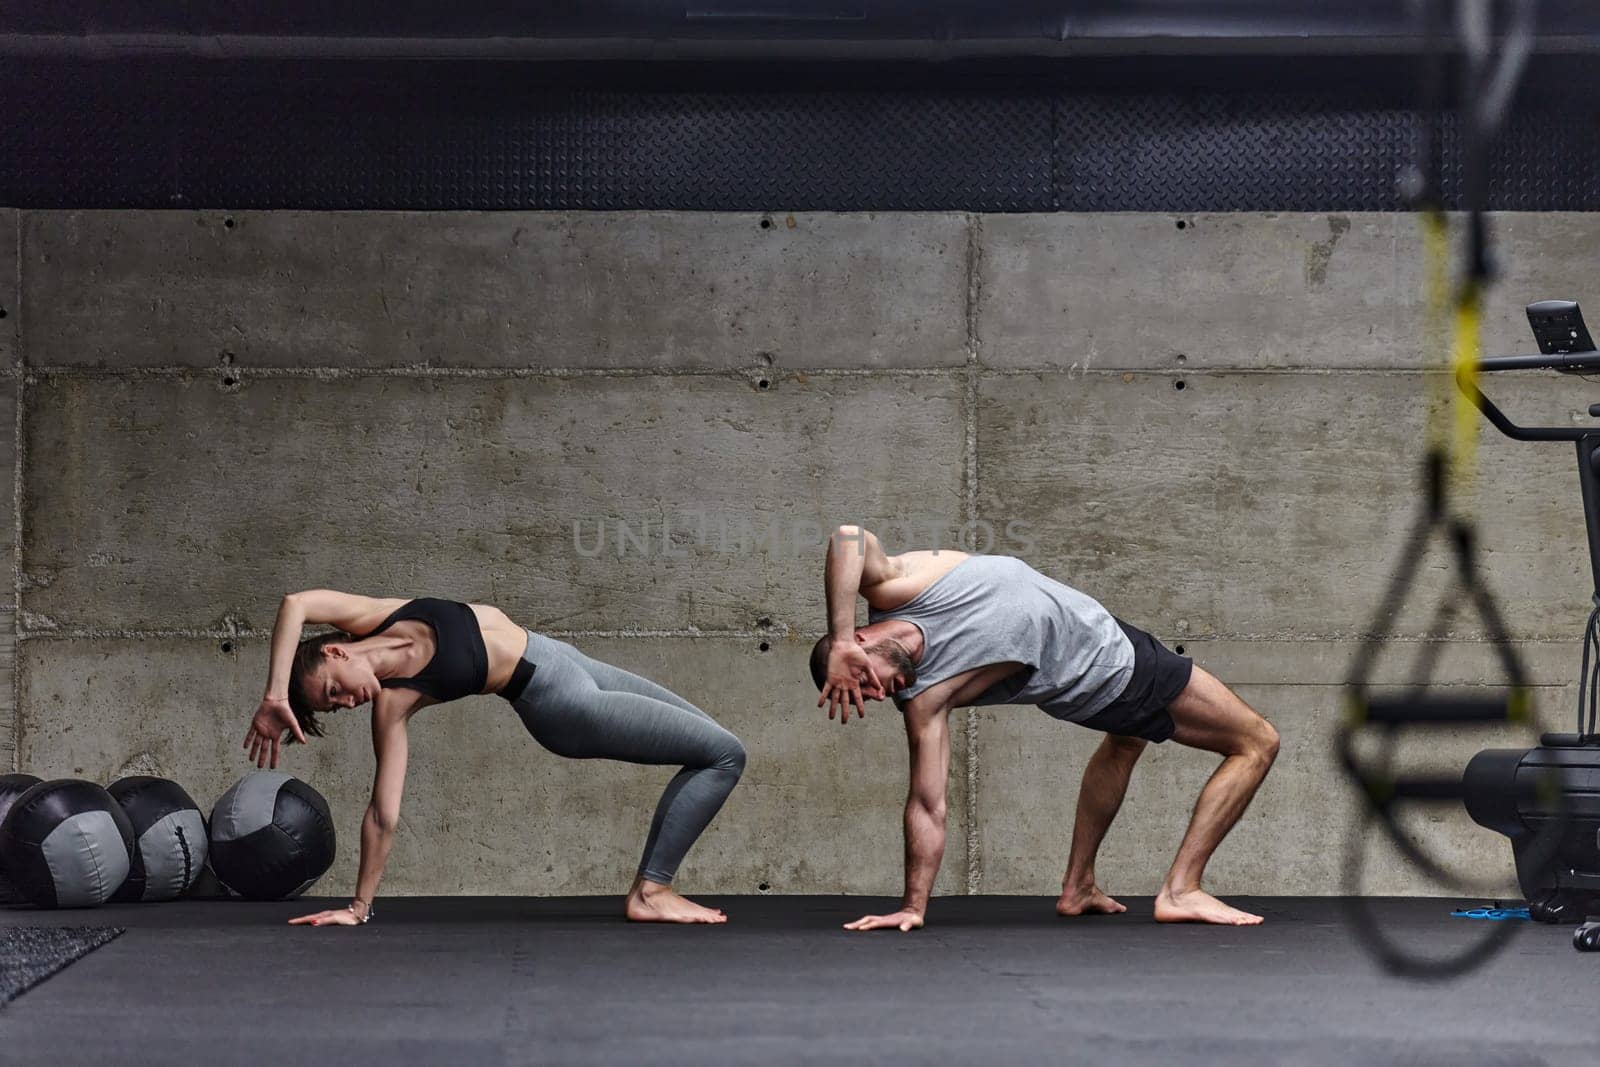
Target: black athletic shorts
x=1140, y=710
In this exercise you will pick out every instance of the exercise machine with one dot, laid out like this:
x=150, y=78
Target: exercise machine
x=1547, y=799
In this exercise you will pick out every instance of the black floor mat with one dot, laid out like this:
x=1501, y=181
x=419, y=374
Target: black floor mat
x=30, y=954
x=994, y=981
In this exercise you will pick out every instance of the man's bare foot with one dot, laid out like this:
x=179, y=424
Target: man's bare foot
x=1198, y=906
x=650, y=902
x=1090, y=901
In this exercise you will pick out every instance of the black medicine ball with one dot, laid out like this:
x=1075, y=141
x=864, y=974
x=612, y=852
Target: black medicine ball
x=271, y=837
x=169, y=838
x=66, y=844
x=12, y=786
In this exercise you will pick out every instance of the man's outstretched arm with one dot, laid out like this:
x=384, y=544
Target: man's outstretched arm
x=928, y=737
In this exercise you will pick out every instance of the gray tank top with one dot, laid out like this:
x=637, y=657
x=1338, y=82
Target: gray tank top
x=997, y=609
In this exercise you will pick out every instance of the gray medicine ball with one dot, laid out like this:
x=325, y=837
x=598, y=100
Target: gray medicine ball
x=169, y=838
x=12, y=786
x=66, y=844
x=271, y=837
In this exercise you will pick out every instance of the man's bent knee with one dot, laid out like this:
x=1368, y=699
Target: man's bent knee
x=1263, y=742
x=1273, y=741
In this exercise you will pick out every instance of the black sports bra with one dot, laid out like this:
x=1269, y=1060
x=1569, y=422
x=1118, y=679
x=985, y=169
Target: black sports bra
x=460, y=663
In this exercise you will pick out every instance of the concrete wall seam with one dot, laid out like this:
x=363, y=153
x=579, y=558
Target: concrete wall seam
x=973, y=372
x=19, y=360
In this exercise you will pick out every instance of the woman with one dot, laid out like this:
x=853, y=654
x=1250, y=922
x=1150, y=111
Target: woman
x=406, y=655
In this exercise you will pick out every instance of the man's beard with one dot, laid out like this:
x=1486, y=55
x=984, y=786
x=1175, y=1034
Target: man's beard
x=899, y=659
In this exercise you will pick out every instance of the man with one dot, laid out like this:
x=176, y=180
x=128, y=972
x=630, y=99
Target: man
x=947, y=629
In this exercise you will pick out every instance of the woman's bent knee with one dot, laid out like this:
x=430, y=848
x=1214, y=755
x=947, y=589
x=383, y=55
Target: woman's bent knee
x=733, y=758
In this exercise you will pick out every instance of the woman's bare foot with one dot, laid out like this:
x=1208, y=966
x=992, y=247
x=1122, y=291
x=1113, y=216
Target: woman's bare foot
x=651, y=902
x=1198, y=906
x=1087, y=901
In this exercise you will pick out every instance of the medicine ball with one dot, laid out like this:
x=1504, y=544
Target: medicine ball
x=12, y=786
x=169, y=838
x=66, y=844
x=271, y=836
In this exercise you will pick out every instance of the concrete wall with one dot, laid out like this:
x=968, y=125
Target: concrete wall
x=1209, y=422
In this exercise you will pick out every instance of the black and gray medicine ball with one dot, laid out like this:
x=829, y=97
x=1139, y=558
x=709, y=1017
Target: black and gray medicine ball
x=12, y=786
x=169, y=838
x=271, y=836
x=66, y=844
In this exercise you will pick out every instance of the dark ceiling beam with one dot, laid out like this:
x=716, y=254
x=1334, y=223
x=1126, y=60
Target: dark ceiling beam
x=646, y=30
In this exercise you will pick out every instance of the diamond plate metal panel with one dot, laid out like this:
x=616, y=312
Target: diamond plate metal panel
x=1228, y=153
x=426, y=139
x=601, y=150
x=1311, y=152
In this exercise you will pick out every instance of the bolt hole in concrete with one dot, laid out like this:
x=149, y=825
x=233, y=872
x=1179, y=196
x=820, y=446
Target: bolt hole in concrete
x=1182, y=225
x=228, y=223
x=1179, y=650
x=1179, y=385
x=765, y=647
x=2, y=313
x=227, y=647
x=763, y=384
x=1182, y=359
x=764, y=887
x=766, y=224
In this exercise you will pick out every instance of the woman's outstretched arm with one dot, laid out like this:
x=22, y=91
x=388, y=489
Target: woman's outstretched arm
x=391, y=746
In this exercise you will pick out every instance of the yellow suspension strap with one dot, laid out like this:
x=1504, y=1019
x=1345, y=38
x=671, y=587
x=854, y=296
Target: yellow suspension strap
x=1466, y=351
x=1436, y=323
x=1373, y=721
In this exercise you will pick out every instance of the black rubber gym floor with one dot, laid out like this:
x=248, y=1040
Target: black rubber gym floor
x=992, y=980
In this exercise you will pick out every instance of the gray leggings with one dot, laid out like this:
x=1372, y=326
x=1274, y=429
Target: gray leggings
x=580, y=708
